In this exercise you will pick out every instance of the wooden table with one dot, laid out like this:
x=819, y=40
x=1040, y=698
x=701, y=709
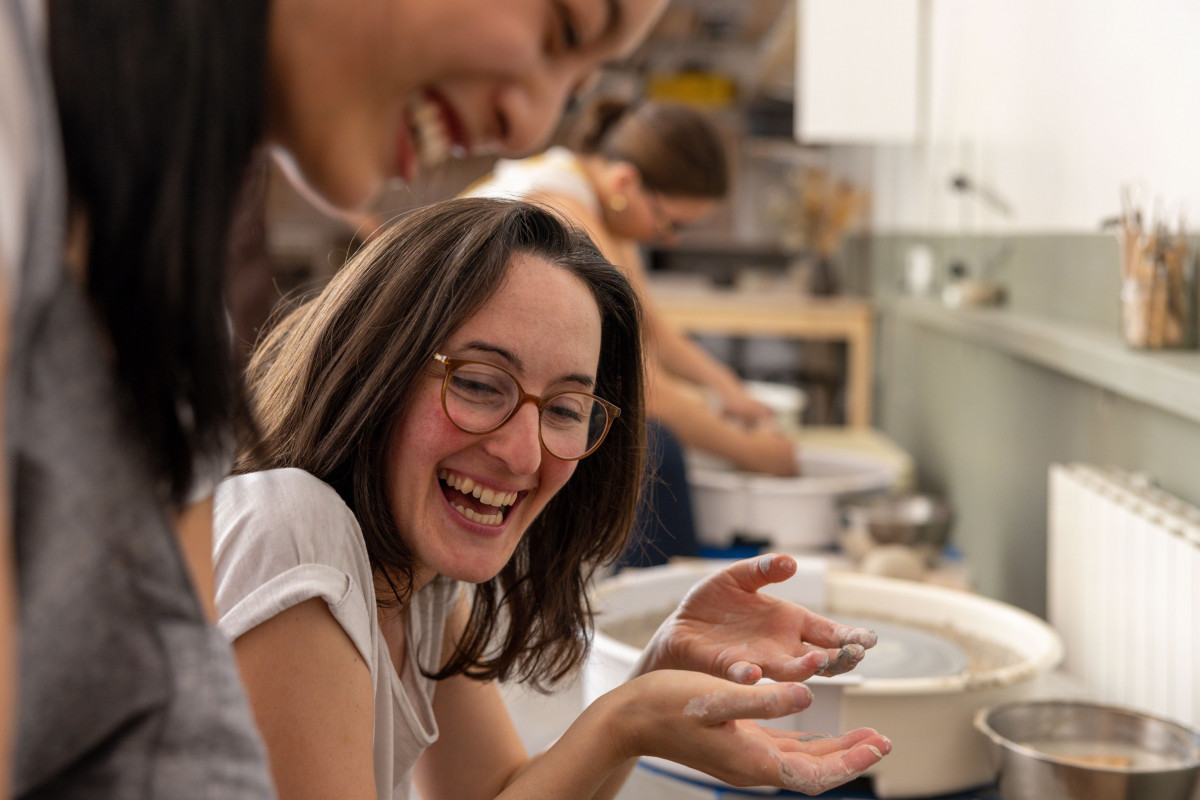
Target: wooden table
x=788, y=315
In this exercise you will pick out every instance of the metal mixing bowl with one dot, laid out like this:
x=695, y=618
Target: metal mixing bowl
x=1071, y=750
x=905, y=518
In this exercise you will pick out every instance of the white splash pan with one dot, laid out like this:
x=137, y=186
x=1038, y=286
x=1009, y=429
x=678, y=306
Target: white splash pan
x=799, y=513
x=929, y=720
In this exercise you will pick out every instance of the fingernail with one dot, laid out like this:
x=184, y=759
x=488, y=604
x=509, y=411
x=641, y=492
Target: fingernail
x=855, y=652
x=875, y=750
x=764, y=564
x=802, y=693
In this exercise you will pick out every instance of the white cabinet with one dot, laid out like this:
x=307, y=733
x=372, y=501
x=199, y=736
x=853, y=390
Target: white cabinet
x=858, y=71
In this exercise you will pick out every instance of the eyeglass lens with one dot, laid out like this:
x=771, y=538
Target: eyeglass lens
x=479, y=398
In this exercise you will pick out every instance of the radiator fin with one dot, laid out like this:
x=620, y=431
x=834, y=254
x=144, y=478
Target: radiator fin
x=1123, y=591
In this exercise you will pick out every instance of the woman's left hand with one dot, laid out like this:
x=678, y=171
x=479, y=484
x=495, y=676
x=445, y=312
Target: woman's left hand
x=726, y=627
x=711, y=725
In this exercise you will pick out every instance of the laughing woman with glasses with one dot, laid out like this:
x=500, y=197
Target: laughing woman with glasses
x=452, y=443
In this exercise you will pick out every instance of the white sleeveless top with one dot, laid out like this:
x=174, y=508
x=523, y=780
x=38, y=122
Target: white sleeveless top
x=557, y=171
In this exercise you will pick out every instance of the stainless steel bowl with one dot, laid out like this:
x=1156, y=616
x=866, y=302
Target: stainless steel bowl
x=1071, y=750
x=905, y=518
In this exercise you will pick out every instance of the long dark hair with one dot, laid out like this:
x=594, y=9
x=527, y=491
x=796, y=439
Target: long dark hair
x=676, y=149
x=161, y=105
x=330, y=382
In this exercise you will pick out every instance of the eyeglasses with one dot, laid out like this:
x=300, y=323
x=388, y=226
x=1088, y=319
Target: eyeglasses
x=480, y=398
x=667, y=228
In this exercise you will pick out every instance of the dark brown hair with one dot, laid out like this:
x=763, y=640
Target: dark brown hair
x=677, y=149
x=333, y=379
x=161, y=106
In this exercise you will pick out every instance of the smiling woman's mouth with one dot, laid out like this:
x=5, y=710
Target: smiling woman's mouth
x=475, y=502
x=434, y=140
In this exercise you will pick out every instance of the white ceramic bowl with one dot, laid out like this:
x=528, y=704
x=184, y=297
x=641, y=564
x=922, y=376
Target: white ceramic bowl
x=794, y=514
x=929, y=719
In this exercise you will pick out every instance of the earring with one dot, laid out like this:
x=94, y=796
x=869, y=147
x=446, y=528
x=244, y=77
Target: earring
x=618, y=203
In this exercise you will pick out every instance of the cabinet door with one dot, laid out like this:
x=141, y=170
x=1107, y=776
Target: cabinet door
x=858, y=71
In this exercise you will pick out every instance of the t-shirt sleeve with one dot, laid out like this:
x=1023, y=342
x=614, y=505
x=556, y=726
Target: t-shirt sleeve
x=282, y=537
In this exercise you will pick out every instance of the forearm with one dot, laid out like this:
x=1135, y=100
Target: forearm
x=683, y=358
x=671, y=348
x=699, y=427
x=608, y=788
x=592, y=759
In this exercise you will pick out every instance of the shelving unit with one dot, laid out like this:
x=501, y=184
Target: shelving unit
x=1164, y=379
x=846, y=320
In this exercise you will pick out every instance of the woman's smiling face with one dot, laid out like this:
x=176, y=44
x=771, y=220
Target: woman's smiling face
x=543, y=326
x=366, y=91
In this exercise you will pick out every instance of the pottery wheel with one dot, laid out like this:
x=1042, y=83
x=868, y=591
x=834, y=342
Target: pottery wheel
x=906, y=652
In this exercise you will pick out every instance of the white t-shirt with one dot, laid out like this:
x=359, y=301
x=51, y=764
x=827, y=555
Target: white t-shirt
x=557, y=171
x=282, y=537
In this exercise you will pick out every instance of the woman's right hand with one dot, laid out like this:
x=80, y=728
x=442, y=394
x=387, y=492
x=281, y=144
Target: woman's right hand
x=734, y=401
x=768, y=450
x=709, y=724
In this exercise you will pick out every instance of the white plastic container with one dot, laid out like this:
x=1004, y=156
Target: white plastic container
x=929, y=719
x=794, y=514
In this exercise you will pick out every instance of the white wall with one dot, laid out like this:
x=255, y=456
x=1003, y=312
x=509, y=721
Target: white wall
x=1054, y=104
x=882, y=66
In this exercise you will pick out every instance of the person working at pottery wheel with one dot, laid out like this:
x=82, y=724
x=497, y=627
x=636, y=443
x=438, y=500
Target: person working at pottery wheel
x=638, y=173
x=452, y=446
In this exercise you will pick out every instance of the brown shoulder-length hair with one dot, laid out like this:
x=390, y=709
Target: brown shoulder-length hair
x=333, y=378
x=677, y=149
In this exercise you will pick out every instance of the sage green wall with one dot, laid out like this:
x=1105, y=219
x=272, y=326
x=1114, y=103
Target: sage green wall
x=984, y=426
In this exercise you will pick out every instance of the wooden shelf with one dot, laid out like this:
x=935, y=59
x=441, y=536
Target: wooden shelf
x=744, y=313
x=1165, y=379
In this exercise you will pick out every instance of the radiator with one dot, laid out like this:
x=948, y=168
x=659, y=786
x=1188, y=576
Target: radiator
x=1123, y=589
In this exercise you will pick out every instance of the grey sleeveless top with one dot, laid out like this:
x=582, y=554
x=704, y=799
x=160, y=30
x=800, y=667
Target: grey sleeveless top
x=124, y=691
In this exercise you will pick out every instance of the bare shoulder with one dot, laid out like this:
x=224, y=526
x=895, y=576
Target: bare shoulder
x=578, y=213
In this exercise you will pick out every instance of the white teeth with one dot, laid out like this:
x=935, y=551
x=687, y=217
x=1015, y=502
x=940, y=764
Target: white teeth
x=433, y=140
x=490, y=497
x=482, y=519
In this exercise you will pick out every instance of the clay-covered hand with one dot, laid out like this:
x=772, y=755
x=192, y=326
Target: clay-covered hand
x=708, y=724
x=726, y=627
x=735, y=401
x=768, y=450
